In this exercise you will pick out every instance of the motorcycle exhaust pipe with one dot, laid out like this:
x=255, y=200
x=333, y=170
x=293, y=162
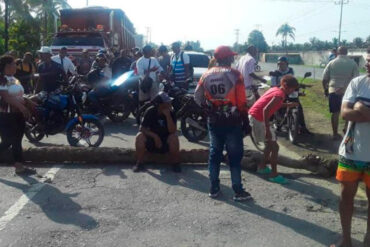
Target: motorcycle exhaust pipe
x=194, y=124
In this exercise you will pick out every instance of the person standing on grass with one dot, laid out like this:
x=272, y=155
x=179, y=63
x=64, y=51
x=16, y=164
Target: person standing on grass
x=259, y=117
x=221, y=93
x=337, y=75
x=354, y=155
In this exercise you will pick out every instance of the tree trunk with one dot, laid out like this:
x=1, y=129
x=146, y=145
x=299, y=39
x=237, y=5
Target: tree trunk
x=6, y=31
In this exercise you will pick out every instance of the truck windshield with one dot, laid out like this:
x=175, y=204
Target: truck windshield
x=78, y=40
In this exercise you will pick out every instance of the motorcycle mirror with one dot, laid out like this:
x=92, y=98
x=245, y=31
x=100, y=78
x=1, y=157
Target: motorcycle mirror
x=307, y=74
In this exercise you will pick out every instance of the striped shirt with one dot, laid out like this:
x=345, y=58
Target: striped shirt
x=178, y=63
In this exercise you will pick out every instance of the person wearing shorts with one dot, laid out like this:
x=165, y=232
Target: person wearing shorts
x=336, y=77
x=259, y=118
x=354, y=155
x=158, y=133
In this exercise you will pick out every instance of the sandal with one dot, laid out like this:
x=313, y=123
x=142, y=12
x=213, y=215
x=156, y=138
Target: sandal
x=264, y=171
x=26, y=171
x=278, y=179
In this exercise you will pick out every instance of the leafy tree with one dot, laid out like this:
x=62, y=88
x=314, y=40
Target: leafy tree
x=193, y=46
x=368, y=40
x=24, y=37
x=257, y=39
x=358, y=42
x=286, y=31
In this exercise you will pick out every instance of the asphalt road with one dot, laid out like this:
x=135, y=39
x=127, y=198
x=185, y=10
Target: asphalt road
x=107, y=205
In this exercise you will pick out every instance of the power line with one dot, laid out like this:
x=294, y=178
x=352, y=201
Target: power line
x=237, y=32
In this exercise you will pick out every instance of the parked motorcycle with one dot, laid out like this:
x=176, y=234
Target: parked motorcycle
x=61, y=112
x=288, y=118
x=122, y=99
x=193, y=121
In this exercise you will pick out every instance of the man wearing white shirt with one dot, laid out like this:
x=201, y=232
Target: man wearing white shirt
x=246, y=66
x=63, y=60
x=154, y=69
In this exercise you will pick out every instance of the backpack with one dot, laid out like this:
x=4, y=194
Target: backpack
x=191, y=68
x=147, y=82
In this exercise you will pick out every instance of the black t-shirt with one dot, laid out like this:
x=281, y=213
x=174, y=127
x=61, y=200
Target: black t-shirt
x=155, y=122
x=51, y=76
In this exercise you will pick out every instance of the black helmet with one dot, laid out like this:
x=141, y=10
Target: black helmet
x=283, y=59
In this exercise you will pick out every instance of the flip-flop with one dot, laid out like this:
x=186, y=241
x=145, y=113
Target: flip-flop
x=278, y=179
x=26, y=171
x=264, y=171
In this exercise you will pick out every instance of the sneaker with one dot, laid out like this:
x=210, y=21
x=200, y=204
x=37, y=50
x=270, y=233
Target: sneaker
x=214, y=192
x=176, y=168
x=242, y=196
x=137, y=168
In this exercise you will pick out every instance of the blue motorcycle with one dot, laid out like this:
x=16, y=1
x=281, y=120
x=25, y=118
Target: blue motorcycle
x=60, y=112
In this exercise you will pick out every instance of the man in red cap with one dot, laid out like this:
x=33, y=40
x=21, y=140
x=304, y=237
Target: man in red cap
x=221, y=93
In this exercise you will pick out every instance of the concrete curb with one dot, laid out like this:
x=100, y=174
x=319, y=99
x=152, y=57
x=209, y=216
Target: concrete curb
x=103, y=155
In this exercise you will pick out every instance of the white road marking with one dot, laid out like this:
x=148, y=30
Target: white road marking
x=14, y=210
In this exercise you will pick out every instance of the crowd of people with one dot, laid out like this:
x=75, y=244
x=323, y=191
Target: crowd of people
x=222, y=93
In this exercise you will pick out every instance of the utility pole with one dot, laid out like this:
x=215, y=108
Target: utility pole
x=6, y=31
x=87, y=3
x=341, y=3
x=148, y=35
x=237, y=31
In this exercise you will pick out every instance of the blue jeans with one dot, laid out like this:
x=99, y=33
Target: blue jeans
x=232, y=137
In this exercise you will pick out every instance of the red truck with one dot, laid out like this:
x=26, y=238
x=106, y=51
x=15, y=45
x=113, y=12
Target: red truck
x=93, y=28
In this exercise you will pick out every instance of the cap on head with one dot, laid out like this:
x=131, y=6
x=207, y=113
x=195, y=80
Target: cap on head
x=161, y=98
x=45, y=50
x=283, y=59
x=222, y=52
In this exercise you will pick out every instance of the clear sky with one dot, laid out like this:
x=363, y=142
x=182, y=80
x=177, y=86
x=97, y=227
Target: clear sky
x=213, y=22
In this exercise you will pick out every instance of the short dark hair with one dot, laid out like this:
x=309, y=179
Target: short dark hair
x=4, y=60
x=63, y=48
x=290, y=81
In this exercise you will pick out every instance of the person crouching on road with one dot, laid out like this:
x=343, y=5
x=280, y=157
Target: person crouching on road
x=221, y=93
x=158, y=133
x=259, y=117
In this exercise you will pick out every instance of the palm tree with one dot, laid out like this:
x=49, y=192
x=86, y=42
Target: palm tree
x=47, y=9
x=286, y=31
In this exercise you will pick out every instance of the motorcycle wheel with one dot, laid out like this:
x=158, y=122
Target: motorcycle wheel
x=260, y=146
x=120, y=115
x=258, y=68
x=89, y=134
x=293, y=127
x=32, y=134
x=191, y=133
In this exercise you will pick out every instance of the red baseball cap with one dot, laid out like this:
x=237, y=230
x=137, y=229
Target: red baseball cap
x=223, y=52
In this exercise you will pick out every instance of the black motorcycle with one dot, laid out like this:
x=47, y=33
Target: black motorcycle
x=193, y=121
x=120, y=100
x=61, y=112
x=288, y=118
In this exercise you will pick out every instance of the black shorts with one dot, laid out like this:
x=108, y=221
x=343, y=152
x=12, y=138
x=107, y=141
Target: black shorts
x=151, y=148
x=335, y=102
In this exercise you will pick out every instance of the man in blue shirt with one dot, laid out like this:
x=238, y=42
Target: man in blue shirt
x=180, y=66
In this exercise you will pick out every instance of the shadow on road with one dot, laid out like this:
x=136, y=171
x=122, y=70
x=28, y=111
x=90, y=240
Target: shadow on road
x=57, y=206
x=198, y=182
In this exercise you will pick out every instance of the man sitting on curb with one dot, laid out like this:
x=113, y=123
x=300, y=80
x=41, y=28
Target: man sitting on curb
x=158, y=133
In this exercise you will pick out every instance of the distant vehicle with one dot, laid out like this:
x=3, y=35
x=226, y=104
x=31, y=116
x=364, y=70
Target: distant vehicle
x=199, y=65
x=94, y=29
